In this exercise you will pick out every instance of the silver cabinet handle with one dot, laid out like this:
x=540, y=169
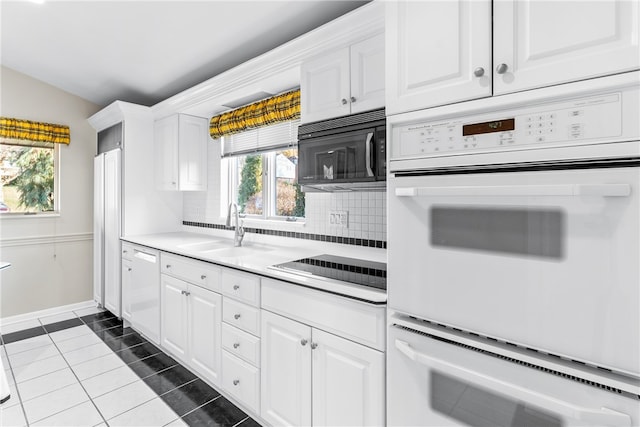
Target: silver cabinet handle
x=236, y=345
x=182, y=292
x=173, y=183
x=478, y=72
x=125, y=252
x=168, y=265
x=353, y=99
x=236, y=316
x=314, y=346
x=344, y=101
x=203, y=277
x=186, y=293
x=129, y=269
x=236, y=382
x=502, y=68
x=303, y=341
x=236, y=287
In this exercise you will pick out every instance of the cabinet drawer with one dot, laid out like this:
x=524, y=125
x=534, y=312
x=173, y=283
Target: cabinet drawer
x=196, y=272
x=241, y=380
x=127, y=251
x=241, y=344
x=241, y=316
x=241, y=286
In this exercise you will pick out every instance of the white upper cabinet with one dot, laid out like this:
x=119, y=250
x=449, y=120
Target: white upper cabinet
x=433, y=48
x=343, y=82
x=181, y=153
x=550, y=42
x=442, y=52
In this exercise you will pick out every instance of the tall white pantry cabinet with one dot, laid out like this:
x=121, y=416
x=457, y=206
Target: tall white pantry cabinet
x=126, y=201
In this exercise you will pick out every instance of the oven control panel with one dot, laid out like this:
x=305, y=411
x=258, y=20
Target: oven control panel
x=574, y=122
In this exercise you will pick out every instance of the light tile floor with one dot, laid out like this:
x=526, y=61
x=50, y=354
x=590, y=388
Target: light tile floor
x=83, y=368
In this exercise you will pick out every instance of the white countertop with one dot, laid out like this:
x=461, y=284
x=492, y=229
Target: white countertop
x=260, y=256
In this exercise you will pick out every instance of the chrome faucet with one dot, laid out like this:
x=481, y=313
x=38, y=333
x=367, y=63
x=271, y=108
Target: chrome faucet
x=239, y=231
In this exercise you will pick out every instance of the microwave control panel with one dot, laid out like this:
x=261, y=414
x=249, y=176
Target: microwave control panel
x=574, y=122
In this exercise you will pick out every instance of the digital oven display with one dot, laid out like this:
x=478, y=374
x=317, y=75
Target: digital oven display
x=488, y=127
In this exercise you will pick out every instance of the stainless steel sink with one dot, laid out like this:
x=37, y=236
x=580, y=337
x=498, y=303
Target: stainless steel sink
x=239, y=251
x=204, y=246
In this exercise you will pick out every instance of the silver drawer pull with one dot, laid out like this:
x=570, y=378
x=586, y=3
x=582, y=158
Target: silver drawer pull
x=236, y=316
x=203, y=277
x=236, y=345
x=236, y=382
x=236, y=287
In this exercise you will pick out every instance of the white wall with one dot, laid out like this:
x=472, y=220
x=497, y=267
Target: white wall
x=51, y=257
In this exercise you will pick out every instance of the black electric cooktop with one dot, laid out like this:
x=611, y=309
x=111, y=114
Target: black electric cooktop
x=365, y=273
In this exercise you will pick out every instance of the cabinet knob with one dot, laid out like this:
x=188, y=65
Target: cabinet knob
x=353, y=99
x=187, y=293
x=314, y=346
x=344, y=101
x=203, y=277
x=129, y=269
x=236, y=382
x=168, y=265
x=478, y=72
x=173, y=183
x=303, y=341
x=502, y=68
x=236, y=345
x=236, y=316
x=125, y=251
x=236, y=287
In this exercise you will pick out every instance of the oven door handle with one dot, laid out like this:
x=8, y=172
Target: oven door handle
x=603, y=416
x=599, y=190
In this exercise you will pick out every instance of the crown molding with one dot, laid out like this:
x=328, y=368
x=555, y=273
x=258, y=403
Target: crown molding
x=350, y=28
x=116, y=112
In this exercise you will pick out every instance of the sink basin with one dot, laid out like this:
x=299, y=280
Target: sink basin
x=204, y=246
x=239, y=251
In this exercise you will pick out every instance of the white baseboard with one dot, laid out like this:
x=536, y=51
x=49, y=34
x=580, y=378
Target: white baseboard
x=47, y=312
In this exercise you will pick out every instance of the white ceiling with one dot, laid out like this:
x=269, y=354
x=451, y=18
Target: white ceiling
x=146, y=51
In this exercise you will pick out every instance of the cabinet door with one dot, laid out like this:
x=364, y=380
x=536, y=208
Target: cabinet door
x=166, y=153
x=193, y=153
x=549, y=42
x=285, y=371
x=367, y=74
x=433, y=49
x=205, y=332
x=126, y=289
x=348, y=382
x=324, y=87
x=173, y=329
x=112, y=254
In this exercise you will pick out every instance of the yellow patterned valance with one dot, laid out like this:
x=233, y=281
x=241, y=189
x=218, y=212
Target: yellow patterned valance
x=280, y=108
x=26, y=130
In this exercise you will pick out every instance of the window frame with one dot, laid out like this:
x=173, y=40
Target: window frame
x=56, y=190
x=269, y=195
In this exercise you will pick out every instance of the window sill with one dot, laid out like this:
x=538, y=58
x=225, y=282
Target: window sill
x=9, y=215
x=275, y=224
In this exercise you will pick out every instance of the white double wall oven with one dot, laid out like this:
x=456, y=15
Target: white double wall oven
x=514, y=229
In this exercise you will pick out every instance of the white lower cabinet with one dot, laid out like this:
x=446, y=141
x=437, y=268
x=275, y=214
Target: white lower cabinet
x=126, y=280
x=311, y=377
x=192, y=326
x=142, y=295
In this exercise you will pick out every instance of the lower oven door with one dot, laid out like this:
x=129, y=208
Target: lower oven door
x=435, y=382
x=545, y=259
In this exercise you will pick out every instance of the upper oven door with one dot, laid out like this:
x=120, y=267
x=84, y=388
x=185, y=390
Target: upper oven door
x=546, y=259
x=344, y=157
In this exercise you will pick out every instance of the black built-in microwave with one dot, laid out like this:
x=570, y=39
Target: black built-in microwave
x=346, y=153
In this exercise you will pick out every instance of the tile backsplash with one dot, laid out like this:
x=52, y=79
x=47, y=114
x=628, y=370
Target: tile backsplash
x=366, y=211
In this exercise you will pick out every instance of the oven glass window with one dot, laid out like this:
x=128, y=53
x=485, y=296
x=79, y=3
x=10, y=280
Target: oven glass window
x=475, y=406
x=526, y=231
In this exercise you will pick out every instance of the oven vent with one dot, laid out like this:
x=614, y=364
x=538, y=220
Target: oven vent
x=519, y=362
x=353, y=119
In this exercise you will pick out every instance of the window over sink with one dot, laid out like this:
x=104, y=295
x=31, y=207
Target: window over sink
x=262, y=165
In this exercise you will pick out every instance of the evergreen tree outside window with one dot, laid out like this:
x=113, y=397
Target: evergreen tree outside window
x=27, y=178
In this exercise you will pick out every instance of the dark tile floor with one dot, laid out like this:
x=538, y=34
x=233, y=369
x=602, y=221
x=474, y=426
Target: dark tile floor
x=105, y=380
